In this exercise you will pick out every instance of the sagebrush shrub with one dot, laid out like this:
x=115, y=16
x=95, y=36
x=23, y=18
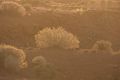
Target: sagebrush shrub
x=103, y=45
x=56, y=37
x=13, y=58
x=42, y=69
x=12, y=8
x=39, y=60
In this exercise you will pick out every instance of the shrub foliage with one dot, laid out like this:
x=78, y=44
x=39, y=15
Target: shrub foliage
x=39, y=60
x=56, y=37
x=12, y=8
x=12, y=57
x=103, y=45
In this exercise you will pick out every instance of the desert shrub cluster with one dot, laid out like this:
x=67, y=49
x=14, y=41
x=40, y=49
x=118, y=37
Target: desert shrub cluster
x=56, y=37
x=32, y=7
x=12, y=8
x=21, y=8
x=60, y=38
x=14, y=59
x=101, y=47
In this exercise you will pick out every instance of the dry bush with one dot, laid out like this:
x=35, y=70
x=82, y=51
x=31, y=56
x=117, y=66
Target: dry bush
x=12, y=8
x=103, y=45
x=13, y=58
x=43, y=70
x=56, y=37
x=39, y=60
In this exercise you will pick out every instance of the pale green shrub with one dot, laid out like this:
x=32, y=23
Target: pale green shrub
x=12, y=8
x=56, y=37
x=103, y=45
x=14, y=58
